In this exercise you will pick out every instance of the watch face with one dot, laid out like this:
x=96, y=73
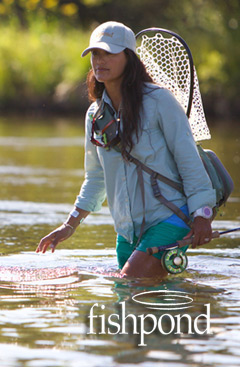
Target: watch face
x=207, y=212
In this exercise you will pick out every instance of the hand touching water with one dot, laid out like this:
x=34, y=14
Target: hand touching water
x=63, y=232
x=55, y=237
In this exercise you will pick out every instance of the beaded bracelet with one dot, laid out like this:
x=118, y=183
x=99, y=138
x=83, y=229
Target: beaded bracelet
x=68, y=225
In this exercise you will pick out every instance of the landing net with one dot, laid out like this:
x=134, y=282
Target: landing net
x=167, y=61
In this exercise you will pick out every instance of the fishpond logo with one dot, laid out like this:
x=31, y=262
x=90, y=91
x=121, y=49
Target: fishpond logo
x=143, y=323
x=166, y=300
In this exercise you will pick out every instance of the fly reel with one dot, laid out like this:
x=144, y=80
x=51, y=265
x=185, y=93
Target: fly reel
x=174, y=261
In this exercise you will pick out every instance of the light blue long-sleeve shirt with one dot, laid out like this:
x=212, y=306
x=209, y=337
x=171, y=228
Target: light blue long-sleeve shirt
x=166, y=145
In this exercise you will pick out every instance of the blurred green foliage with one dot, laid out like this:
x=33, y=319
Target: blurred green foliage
x=40, y=64
x=41, y=42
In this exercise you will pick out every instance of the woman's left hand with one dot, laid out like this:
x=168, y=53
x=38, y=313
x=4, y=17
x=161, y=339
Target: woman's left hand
x=201, y=232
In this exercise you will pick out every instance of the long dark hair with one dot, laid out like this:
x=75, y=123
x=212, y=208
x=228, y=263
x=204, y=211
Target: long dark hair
x=134, y=78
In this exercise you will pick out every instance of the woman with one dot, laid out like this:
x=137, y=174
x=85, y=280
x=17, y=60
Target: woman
x=155, y=130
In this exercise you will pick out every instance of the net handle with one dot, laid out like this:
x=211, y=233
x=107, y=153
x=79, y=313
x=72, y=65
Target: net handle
x=190, y=98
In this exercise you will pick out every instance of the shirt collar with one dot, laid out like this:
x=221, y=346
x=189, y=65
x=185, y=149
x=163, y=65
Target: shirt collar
x=106, y=99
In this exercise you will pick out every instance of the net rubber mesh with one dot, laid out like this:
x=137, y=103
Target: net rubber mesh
x=167, y=61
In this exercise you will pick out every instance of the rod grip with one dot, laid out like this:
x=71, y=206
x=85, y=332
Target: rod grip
x=180, y=243
x=152, y=250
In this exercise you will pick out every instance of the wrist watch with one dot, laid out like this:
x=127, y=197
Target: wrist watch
x=205, y=212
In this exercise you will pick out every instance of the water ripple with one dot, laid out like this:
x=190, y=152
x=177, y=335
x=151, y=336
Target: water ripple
x=32, y=213
x=16, y=142
x=38, y=171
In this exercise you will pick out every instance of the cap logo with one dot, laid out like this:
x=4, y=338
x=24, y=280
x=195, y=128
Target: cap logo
x=107, y=34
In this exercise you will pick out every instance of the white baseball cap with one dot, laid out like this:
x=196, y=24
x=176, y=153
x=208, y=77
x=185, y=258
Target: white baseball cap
x=112, y=37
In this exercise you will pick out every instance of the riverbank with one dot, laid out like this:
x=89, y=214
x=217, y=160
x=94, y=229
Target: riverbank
x=72, y=101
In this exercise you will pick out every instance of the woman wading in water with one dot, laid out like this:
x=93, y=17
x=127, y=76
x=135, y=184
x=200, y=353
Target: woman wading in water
x=146, y=121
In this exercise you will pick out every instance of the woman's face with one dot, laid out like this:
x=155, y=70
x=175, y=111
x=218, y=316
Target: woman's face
x=107, y=67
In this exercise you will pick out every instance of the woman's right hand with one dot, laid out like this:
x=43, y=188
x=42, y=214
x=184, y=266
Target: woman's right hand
x=52, y=239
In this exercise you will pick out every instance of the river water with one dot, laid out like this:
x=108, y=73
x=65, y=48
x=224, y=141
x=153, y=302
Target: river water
x=46, y=300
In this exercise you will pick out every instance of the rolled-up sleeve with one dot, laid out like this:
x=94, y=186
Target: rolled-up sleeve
x=92, y=192
x=177, y=132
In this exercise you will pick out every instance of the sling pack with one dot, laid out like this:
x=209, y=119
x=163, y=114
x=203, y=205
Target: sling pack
x=219, y=176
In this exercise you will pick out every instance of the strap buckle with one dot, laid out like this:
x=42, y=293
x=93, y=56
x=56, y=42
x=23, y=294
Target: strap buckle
x=154, y=184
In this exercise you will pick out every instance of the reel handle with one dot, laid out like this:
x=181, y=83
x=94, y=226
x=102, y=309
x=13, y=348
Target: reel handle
x=180, y=243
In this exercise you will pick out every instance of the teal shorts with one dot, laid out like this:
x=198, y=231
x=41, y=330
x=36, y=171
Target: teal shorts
x=160, y=235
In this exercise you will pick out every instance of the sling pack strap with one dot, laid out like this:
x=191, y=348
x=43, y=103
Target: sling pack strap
x=160, y=177
x=141, y=183
x=154, y=176
x=156, y=192
x=158, y=195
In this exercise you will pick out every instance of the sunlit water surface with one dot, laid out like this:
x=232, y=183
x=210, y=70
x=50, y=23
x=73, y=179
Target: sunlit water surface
x=45, y=300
